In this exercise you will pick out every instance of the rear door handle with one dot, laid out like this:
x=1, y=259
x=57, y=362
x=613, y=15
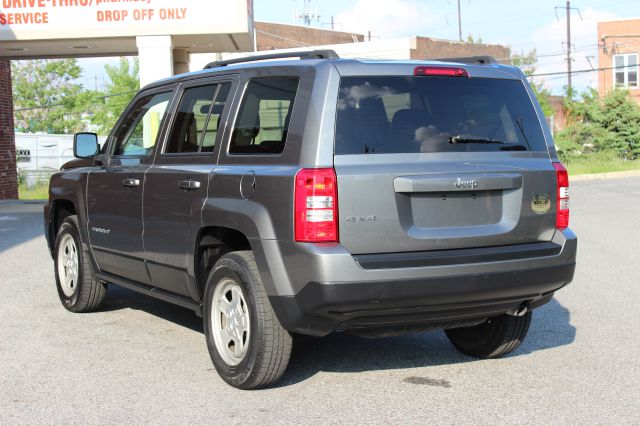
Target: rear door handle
x=131, y=183
x=189, y=184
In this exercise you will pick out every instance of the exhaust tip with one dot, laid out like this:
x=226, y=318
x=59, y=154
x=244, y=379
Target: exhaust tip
x=520, y=310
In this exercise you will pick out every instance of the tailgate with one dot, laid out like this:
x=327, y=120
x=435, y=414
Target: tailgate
x=432, y=163
x=415, y=204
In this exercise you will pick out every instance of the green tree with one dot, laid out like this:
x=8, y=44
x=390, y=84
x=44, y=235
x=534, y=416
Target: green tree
x=527, y=62
x=472, y=40
x=47, y=96
x=621, y=117
x=610, y=124
x=122, y=86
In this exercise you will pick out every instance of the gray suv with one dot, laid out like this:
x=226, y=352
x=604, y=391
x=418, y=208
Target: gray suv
x=301, y=197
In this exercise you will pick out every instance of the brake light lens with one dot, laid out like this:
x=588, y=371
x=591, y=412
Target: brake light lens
x=441, y=71
x=562, y=198
x=316, y=206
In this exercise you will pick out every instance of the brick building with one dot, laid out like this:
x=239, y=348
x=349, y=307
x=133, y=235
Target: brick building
x=271, y=36
x=431, y=48
x=618, y=56
x=8, y=174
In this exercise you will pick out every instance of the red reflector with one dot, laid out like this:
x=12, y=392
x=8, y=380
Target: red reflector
x=441, y=71
x=316, y=206
x=562, y=196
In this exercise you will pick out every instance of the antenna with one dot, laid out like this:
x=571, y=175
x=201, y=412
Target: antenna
x=306, y=15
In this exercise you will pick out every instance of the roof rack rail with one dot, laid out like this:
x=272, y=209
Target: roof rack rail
x=471, y=60
x=302, y=54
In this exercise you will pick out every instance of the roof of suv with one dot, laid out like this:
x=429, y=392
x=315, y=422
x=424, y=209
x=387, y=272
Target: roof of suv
x=477, y=66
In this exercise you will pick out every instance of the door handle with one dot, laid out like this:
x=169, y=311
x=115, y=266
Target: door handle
x=131, y=183
x=189, y=184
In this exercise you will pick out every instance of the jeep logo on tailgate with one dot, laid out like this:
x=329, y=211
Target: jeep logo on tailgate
x=470, y=183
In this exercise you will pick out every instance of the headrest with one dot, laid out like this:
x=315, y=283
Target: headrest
x=217, y=109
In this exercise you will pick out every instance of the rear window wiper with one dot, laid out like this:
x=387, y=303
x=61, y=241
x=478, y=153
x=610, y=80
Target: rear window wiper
x=471, y=139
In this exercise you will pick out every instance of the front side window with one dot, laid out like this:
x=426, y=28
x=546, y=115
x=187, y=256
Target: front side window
x=196, y=123
x=138, y=134
x=263, y=119
x=407, y=114
x=625, y=70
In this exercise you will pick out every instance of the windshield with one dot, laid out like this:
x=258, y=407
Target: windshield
x=435, y=114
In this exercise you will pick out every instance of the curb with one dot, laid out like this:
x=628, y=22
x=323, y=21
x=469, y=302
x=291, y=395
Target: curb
x=7, y=202
x=610, y=175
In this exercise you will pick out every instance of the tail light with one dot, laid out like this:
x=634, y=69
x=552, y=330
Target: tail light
x=562, y=189
x=316, y=206
x=440, y=71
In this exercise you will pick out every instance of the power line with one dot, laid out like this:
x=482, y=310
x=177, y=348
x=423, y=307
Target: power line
x=553, y=54
x=583, y=71
x=299, y=43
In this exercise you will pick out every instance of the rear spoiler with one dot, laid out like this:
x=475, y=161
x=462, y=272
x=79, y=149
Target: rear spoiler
x=470, y=60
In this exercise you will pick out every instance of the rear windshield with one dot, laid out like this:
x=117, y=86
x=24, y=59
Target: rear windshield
x=435, y=114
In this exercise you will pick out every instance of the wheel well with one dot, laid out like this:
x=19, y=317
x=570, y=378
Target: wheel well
x=213, y=242
x=61, y=210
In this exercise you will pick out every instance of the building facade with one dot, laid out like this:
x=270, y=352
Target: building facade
x=271, y=36
x=619, y=56
x=8, y=174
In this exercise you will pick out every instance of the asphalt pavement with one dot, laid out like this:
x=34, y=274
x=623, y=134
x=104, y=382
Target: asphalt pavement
x=141, y=360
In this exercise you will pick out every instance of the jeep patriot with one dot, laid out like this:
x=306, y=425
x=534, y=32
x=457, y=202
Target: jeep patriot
x=306, y=196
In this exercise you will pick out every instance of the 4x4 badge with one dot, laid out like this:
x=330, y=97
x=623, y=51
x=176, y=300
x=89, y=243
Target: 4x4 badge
x=540, y=203
x=100, y=230
x=361, y=219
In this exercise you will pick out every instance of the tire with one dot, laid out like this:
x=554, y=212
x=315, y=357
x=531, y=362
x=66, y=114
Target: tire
x=493, y=338
x=78, y=289
x=248, y=346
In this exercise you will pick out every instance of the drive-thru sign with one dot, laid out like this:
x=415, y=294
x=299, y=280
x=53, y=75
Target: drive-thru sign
x=98, y=27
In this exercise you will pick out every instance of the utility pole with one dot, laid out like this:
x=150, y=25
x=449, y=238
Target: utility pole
x=569, y=46
x=307, y=15
x=460, y=22
x=568, y=9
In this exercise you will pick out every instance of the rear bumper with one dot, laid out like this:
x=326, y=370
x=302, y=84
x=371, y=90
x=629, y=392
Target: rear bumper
x=430, y=295
x=323, y=307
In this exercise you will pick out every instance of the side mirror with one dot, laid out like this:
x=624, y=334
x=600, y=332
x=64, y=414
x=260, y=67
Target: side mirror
x=85, y=145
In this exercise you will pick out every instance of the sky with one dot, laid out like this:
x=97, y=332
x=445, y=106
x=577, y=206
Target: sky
x=521, y=25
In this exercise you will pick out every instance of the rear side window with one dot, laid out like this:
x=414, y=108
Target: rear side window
x=263, y=119
x=435, y=114
x=196, y=124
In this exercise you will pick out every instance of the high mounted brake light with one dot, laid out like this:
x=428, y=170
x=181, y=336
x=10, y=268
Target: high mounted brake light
x=441, y=71
x=316, y=206
x=562, y=197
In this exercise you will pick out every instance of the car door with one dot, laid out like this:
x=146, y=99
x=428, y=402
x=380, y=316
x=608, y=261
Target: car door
x=114, y=192
x=176, y=185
